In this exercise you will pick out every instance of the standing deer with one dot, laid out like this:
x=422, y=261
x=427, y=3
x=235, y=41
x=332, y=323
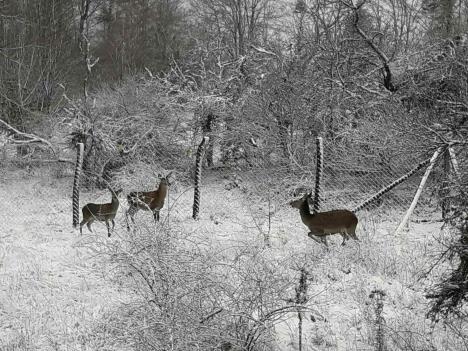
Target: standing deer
x=148, y=201
x=101, y=212
x=321, y=224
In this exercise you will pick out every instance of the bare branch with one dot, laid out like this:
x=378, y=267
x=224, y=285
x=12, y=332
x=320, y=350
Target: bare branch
x=14, y=133
x=382, y=56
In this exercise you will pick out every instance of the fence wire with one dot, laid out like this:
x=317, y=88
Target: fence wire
x=350, y=176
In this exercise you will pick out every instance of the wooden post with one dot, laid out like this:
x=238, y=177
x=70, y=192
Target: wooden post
x=380, y=342
x=76, y=184
x=445, y=186
x=318, y=174
x=419, y=191
x=198, y=169
x=207, y=129
x=301, y=299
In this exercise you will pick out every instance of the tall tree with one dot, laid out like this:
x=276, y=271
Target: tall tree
x=36, y=52
x=448, y=17
x=138, y=34
x=235, y=24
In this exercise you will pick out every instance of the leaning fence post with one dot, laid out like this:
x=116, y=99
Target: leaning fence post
x=318, y=174
x=445, y=186
x=198, y=169
x=419, y=191
x=76, y=184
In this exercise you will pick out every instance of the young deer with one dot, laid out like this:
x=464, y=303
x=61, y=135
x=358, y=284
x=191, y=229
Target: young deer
x=322, y=224
x=148, y=201
x=101, y=212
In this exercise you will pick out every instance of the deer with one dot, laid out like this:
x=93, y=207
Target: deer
x=101, y=212
x=321, y=224
x=148, y=201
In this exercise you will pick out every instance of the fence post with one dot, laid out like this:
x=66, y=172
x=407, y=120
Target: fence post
x=419, y=191
x=380, y=342
x=76, y=184
x=198, y=169
x=301, y=299
x=318, y=174
x=445, y=190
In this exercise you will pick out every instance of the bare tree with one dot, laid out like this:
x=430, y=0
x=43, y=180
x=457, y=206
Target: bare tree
x=140, y=34
x=235, y=24
x=36, y=53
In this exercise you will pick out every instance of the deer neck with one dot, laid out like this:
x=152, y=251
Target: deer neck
x=304, y=210
x=115, y=201
x=162, y=190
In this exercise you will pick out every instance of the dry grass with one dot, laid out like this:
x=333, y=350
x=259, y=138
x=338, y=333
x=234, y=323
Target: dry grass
x=60, y=291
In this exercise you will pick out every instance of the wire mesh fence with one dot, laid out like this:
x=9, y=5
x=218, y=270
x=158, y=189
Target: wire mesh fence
x=344, y=185
x=254, y=156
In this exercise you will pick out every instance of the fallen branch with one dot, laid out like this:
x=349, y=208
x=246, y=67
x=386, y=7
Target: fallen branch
x=13, y=133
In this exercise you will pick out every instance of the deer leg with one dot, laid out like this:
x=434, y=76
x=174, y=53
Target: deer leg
x=345, y=238
x=126, y=219
x=113, y=224
x=130, y=212
x=313, y=237
x=81, y=226
x=352, y=234
x=156, y=215
x=108, y=228
x=319, y=239
x=89, y=226
x=324, y=240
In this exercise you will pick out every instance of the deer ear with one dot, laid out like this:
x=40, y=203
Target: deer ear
x=159, y=175
x=169, y=174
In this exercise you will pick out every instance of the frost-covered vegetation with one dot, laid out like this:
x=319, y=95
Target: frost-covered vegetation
x=140, y=83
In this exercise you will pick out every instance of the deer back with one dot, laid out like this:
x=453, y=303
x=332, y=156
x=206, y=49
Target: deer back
x=331, y=222
x=102, y=211
x=137, y=197
x=153, y=200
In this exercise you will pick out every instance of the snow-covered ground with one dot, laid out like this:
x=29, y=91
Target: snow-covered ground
x=56, y=293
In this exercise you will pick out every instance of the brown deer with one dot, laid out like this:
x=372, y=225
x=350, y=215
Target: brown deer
x=321, y=224
x=148, y=201
x=101, y=212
